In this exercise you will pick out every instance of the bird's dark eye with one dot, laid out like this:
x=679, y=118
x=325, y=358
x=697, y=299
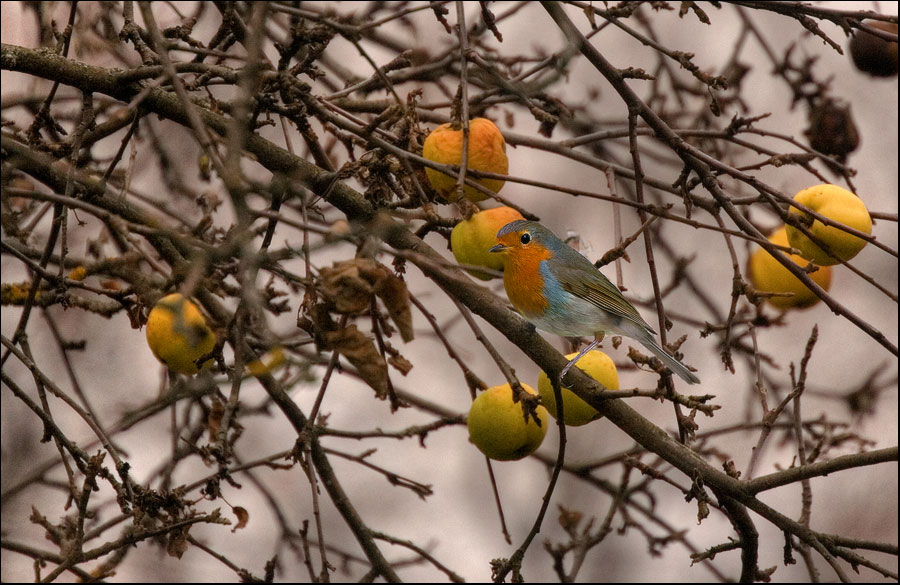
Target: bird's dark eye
x=526, y=238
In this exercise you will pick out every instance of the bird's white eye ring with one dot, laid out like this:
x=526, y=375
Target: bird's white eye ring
x=525, y=238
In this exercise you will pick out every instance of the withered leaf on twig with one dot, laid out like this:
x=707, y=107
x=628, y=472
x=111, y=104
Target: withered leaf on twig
x=214, y=419
x=243, y=517
x=402, y=364
x=392, y=292
x=349, y=286
x=177, y=542
x=360, y=351
x=344, y=285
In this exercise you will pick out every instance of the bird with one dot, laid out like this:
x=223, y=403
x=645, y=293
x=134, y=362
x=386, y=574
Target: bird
x=558, y=290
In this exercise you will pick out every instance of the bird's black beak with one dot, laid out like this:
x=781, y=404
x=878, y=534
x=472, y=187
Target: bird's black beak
x=498, y=248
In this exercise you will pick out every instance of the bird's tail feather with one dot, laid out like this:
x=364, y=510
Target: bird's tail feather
x=671, y=363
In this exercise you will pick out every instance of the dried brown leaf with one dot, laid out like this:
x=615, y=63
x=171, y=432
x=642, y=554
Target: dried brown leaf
x=349, y=286
x=392, y=292
x=214, y=420
x=360, y=351
x=344, y=286
x=243, y=517
x=400, y=363
x=178, y=543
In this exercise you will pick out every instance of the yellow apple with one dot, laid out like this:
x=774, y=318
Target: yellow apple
x=472, y=239
x=768, y=275
x=178, y=335
x=595, y=364
x=487, y=152
x=837, y=204
x=497, y=425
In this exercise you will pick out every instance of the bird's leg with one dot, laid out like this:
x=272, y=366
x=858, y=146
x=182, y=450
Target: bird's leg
x=590, y=346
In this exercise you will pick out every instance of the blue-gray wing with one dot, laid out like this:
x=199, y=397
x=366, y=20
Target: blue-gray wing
x=581, y=278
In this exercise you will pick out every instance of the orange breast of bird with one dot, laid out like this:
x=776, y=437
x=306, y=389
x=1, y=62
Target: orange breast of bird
x=523, y=280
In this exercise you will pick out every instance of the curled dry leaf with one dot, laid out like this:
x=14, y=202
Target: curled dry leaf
x=400, y=363
x=214, y=420
x=344, y=285
x=177, y=543
x=360, y=351
x=392, y=292
x=349, y=286
x=243, y=516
